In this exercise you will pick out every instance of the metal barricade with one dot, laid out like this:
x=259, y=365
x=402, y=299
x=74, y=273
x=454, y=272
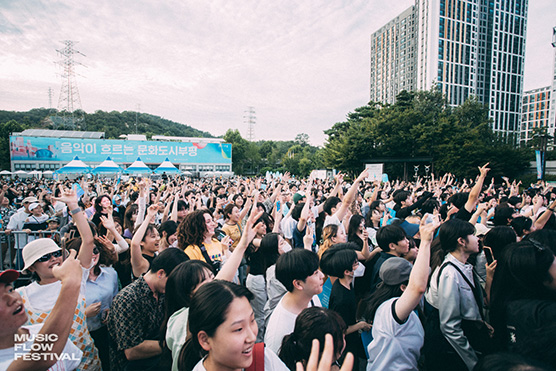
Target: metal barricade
x=13, y=243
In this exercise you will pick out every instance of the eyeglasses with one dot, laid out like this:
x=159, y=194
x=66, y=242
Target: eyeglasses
x=96, y=250
x=47, y=257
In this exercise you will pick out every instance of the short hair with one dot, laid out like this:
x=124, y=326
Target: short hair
x=451, y=231
x=401, y=197
x=459, y=199
x=297, y=264
x=169, y=226
x=338, y=259
x=167, y=260
x=389, y=234
x=296, y=212
x=502, y=214
x=330, y=203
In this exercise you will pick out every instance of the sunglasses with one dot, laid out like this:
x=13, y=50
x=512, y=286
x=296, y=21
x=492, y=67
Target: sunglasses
x=96, y=251
x=47, y=257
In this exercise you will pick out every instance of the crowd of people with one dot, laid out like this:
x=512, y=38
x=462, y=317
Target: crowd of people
x=278, y=273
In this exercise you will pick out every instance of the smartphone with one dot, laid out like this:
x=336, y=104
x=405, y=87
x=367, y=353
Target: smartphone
x=278, y=206
x=488, y=255
x=220, y=235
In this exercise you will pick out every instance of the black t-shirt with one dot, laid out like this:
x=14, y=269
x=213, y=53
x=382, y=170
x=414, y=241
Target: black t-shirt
x=463, y=214
x=255, y=261
x=343, y=302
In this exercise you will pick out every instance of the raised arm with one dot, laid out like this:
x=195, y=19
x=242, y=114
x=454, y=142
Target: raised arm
x=541, y=221
x=229, y=269
x=420, y=273
x=139, y=264
x=69, y=197
x=350, y=195
x=108, y=223
x=476, y=190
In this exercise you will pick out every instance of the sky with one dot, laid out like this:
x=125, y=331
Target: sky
x=302, y=65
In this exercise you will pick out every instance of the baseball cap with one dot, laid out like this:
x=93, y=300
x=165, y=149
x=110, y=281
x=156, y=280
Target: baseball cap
x=395, y=271
x=35, y=249
x=53, y=219
x=33, y=206
x=410, y=229
x=297, y=197
x=29, y=200
x=9, y=276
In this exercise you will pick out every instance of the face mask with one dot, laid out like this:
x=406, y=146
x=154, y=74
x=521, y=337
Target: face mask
x=359, y=271
x=286, y=247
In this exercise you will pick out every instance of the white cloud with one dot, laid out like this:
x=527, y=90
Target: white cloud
x=302, y=65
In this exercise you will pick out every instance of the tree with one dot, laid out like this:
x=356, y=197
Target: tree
x=302, y=139
x=240, y=148
x=6, y=129
x=421, y=124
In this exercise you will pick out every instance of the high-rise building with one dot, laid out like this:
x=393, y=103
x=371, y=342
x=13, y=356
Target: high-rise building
x=465, y=47
x=552, y=102
x=393, y=50
x=535, y=112
x=539, y=105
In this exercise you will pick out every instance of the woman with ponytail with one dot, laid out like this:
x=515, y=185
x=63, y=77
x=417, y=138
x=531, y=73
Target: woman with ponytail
x=223, y=331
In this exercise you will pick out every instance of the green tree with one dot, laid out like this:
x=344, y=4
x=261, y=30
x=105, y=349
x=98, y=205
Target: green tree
x=421, y=124
x=240, y=149
x=6, y=129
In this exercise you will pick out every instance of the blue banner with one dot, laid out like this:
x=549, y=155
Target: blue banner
x=539, y=156
x=96, y=150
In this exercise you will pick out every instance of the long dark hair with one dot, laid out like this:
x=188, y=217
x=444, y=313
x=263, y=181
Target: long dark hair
x=369, y=305
x=269, y=249
x=98, y=206
x=353, y=228
x=129, y=211
x=178, y=292
x=208, y=310
x=312, y=323
x=521, y=276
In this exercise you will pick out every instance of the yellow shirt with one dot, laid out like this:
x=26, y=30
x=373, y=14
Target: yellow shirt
x=234, y=231
x=214, y=250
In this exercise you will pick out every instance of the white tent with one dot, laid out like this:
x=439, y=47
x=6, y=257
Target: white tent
x=138, y=167
x=107, y=167
x=5, y=172
x=75, y=166
x=166, y=167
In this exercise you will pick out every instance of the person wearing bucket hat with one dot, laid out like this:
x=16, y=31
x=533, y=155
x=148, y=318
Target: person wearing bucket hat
x=17, y=349
x=40, y=257
x=397, y=332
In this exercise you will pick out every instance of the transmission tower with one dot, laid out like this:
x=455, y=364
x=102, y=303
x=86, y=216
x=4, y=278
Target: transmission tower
x=250, y=119
x=49, y=98
x=69, y=101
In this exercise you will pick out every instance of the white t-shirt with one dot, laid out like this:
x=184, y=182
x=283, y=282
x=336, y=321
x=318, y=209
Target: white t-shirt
x=395, y=346
x=271, y=362
x=69, y=358
x=43, y=297
x=333, y=220
x=282, y=323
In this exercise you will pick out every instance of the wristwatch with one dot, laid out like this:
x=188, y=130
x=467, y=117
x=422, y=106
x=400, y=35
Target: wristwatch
x=75, y=211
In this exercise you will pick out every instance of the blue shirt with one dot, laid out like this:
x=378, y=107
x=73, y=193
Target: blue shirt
x=103, y=289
